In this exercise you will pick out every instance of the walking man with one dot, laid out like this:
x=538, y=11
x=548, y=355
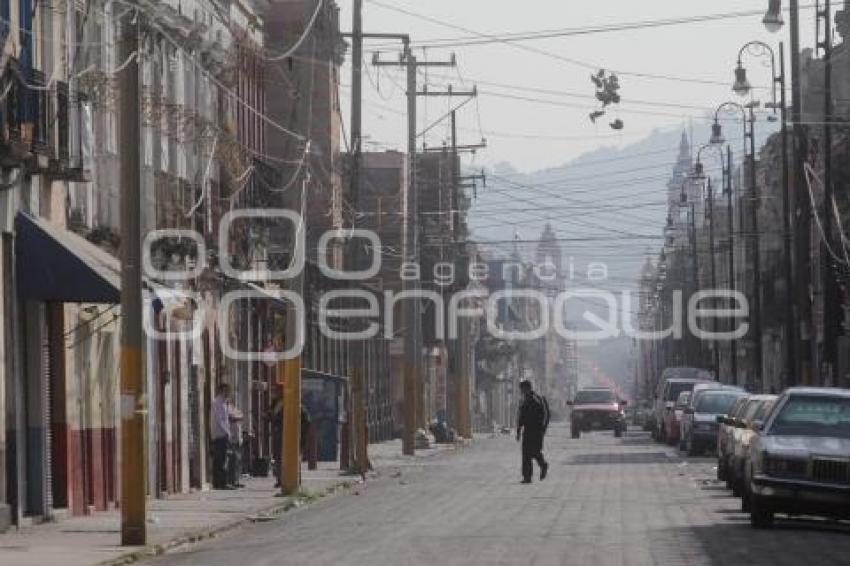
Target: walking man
x=531, y=428
x=220, y=433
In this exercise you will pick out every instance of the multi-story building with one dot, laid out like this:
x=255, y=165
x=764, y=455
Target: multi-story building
x=61, y=156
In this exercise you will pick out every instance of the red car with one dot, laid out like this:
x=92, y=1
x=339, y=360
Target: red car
x=597, y=408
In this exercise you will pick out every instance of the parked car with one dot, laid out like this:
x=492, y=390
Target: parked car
x=699, y=421
x=673, y=381
x=800, y=464
x=597, y=408
x=695, y=393
x=673, y=419
x=757, y=408
x=725, y=438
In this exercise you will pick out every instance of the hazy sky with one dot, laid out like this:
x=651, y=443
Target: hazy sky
x=534, y=135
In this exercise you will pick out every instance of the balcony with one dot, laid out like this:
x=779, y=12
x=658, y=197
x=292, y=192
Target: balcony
x=36, y=125
x=13, y=148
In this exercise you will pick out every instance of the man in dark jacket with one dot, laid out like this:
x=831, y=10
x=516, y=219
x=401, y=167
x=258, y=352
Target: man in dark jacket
x=531, y=427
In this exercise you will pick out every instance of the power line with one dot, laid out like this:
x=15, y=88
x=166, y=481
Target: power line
x=572, y=61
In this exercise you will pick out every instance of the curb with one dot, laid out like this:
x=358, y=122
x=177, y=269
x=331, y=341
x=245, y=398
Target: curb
x=265, y=514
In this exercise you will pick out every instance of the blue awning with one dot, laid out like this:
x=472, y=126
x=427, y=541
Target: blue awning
x=57, y=265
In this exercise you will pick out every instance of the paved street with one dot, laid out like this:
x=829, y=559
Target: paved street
x=607, y=501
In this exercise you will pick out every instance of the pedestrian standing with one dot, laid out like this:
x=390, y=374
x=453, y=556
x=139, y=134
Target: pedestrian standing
x=220, y=433
x=234, y=454
x=532, y=423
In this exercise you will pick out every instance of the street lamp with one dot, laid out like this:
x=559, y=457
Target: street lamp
x=695, y=349
x=699, y=173
x=773, y=20
x=717, y=133
x=749, y=120
x=741, y=86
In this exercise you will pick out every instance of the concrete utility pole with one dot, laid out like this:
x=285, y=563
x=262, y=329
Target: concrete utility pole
x=733, y=344
x=803, y=375
x=756, y=245
x=461, y=348
x=412, y=348
x=412, y=308
x=788, y=233
x=133, y=477
x=358, y=374
x=290, y=371
x=831, y=298
x=715, y=347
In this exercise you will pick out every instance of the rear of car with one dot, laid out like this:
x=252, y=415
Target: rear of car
x=800, y=464
x=673, y=382
x=702, y=432
x=699, y=390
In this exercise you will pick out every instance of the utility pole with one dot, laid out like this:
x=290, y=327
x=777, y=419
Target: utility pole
x=412, y=307
x=715, y=347
x=461, y=361
x=788, y=235
x=803, y=211
x=831, y=299
x=412, y=348
x=358, y=426
x=756, y=245
x=290, y=371
x=133, y=477
x=733, y=344
x=461, y=378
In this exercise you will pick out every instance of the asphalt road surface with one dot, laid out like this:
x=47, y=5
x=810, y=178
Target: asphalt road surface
x=606, y=501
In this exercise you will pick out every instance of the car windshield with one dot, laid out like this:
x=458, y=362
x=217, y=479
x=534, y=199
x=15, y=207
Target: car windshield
x=814, y=416
x=677, y=387
x=715, y=403
x=593, y=396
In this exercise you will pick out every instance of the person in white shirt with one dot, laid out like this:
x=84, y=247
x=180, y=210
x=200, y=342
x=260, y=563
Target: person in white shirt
x=220, y=434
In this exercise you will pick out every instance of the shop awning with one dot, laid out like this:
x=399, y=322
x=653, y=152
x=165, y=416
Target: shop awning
x=58, y=265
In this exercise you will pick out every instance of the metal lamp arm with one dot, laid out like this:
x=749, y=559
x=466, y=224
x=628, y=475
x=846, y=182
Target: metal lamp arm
x=766, y=49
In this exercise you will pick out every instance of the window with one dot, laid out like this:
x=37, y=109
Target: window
x=595, y=396
x=814, y=416
x=715, y=403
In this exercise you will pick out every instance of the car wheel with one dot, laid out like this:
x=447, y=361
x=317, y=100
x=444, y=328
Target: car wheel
x=618, y=432
x=761, y=515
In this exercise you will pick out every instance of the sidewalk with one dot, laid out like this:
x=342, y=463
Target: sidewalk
x=172, y=522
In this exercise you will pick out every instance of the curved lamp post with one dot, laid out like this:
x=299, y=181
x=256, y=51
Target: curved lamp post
x=742, y=88
x=749, y=119
x=699, y=173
